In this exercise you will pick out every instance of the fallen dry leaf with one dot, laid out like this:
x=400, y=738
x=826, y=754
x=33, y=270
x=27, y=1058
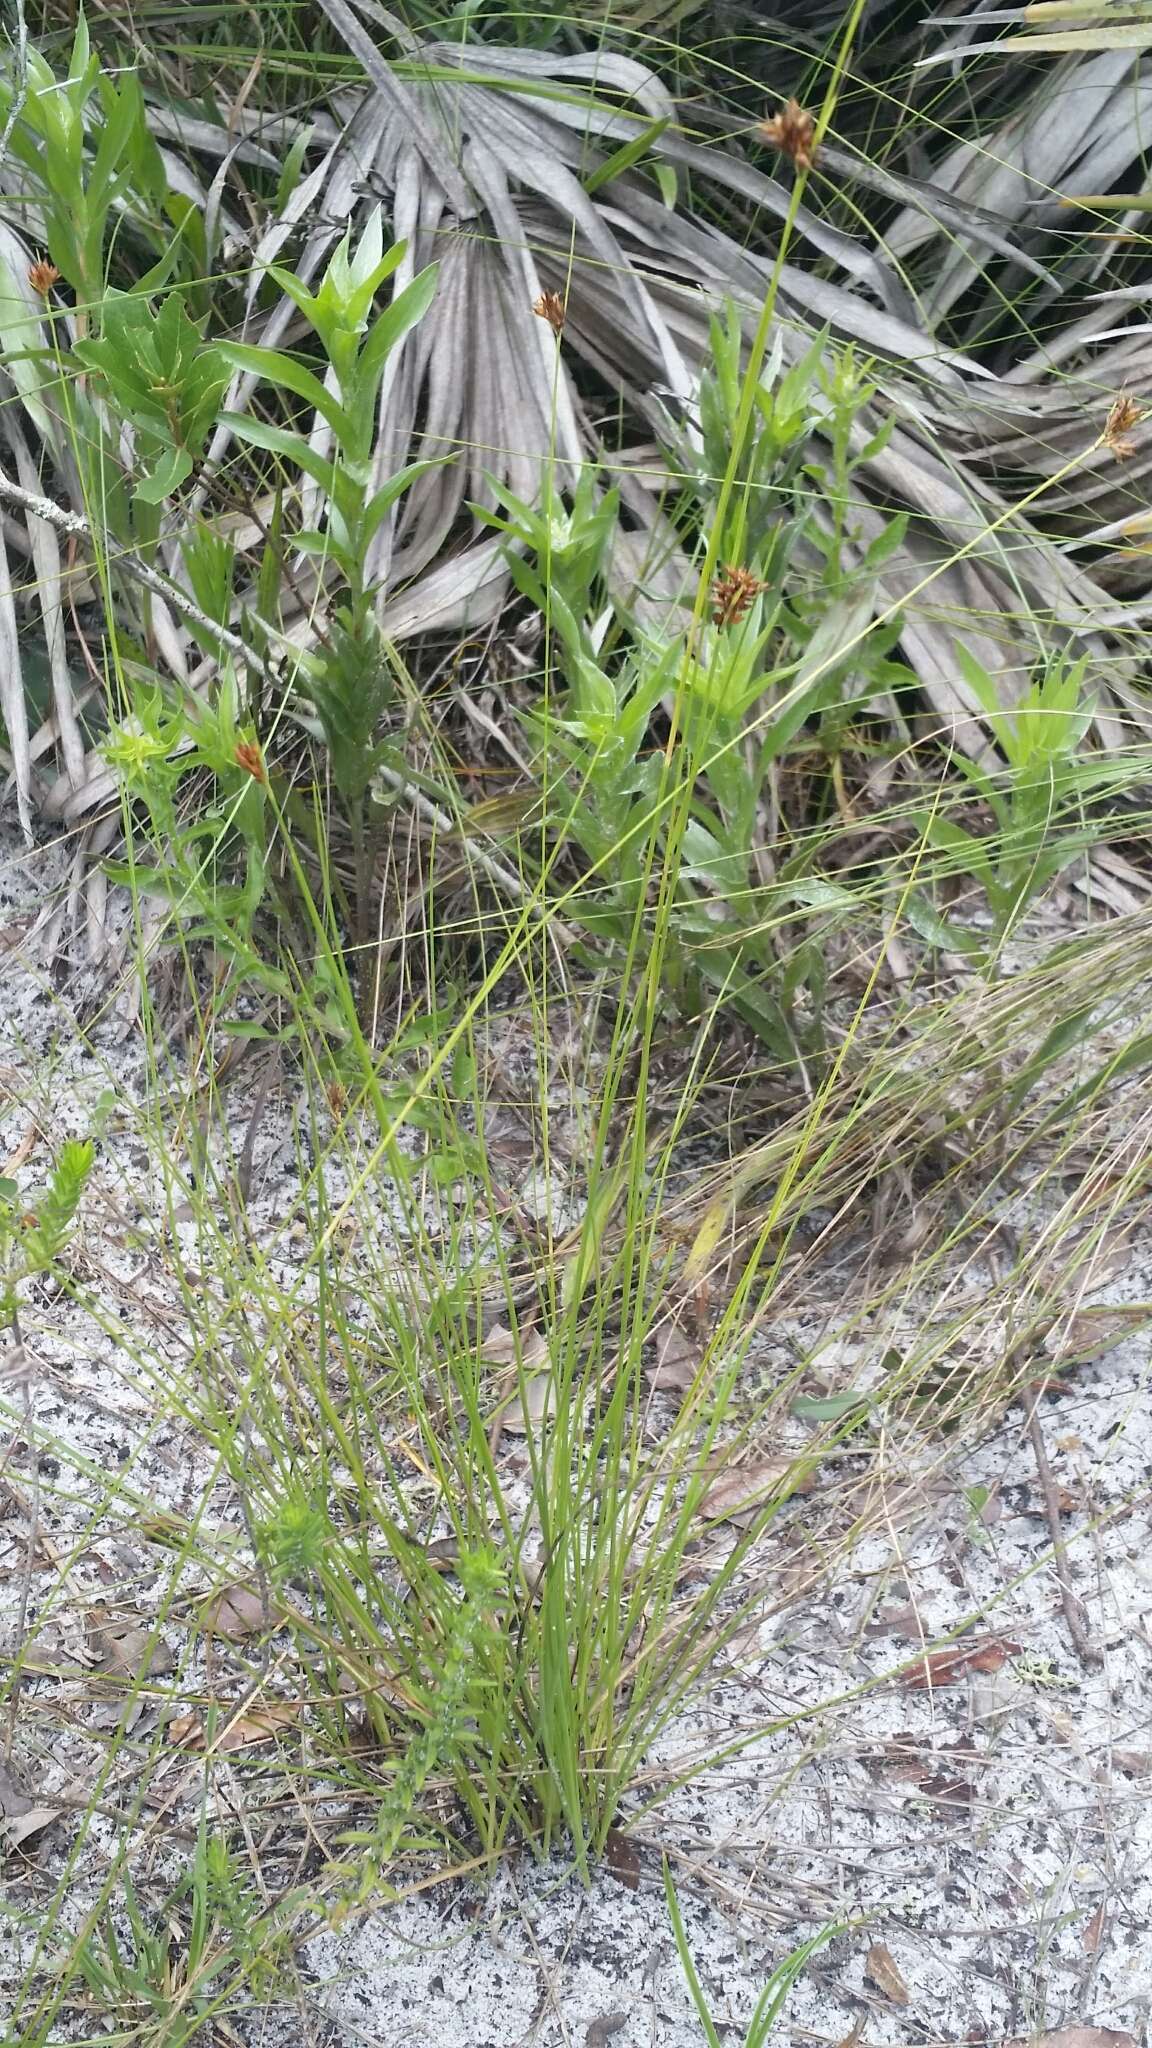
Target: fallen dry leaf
x=1094, y=1932
x=948, y=1667
x=255, y=1724
x=532, y=1400
x=1134, y=1763
x=952, y=1795
x=54, y=1659
x=499, y=1347
x=899, y=1758
x=937, y=1772
x=880, y=1970
x=23, y=1152
x=529, y=1406
x=14, y=1801
x=20, y=1818
x=744, y=1489
x=678, y=1357
x=896, y=1621
x=20, y=1830
x=234, y=1612
x=622, y=1856
x=125, y=1646
x=510, y=1143
x=601, y=2031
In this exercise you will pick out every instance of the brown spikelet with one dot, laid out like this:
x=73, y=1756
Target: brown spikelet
x=733, y=593
x=247, y=755
x=550, y=307
x=793, y=132
x=1123, y=416
x=42, y=275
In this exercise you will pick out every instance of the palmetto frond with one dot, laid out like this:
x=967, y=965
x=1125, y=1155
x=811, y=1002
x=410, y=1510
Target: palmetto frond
x=540, y=179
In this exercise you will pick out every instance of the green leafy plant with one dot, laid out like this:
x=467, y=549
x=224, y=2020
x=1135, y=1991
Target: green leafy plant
x=212, y=862
x=165, y=1973
x=191, y=863
x=1034, y=805
x=84, y=142
x=35, y=1228
x=350, y=682
x=161, y=376
x=443, y=1735
x=785, y=652
x=771, y=2000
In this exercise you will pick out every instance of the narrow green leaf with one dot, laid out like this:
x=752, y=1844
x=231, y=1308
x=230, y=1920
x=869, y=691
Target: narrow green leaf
x=282, y=441
x=928, y=924
x=406, y=309
x=827, y=1407
x=622, y=159
x=287, y=375
x=170, y=472
x=396, y=485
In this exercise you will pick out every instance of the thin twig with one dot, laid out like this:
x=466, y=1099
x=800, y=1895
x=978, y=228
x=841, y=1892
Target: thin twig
x=1085, y=1650
x=76, y=524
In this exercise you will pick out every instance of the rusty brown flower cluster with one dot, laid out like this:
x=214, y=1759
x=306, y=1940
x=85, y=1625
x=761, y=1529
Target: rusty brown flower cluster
x=247, y=755
x=550, y=307
x=793, y=132
x=1123, y=416
x=42, y=275
x=734, y=591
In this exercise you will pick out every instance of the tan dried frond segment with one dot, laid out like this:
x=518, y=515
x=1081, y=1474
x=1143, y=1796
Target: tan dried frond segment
x=1125, y=414
x=550, y=307
x=793, y=132
x=42, y=275
x=733, y=594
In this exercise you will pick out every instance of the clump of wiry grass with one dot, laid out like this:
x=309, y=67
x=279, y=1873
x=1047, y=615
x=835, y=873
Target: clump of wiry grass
x=425, y=1424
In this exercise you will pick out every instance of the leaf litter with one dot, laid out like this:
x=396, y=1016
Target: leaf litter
x=233, y=1731
x=235, y=1613
x=20, y=1816
x=881, y=1970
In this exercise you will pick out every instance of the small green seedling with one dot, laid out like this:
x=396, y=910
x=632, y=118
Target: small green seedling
x=771, y=1999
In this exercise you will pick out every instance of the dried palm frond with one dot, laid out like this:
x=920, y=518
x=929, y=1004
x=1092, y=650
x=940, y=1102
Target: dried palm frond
x=543, y=180
x=528, y=133
x=1073, y=130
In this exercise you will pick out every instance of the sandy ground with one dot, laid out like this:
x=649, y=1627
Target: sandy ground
x=985, y=1843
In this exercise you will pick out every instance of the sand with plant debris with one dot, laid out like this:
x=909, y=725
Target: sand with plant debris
x=984, y=1844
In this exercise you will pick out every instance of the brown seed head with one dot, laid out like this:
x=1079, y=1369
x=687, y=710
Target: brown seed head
x=1124, y=415
x=550, y=307
x=42, y=275
x=793, y=132
x=733, y=594
x=248, y=755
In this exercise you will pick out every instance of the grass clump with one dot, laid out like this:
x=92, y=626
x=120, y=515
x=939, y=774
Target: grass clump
x=691, y=881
